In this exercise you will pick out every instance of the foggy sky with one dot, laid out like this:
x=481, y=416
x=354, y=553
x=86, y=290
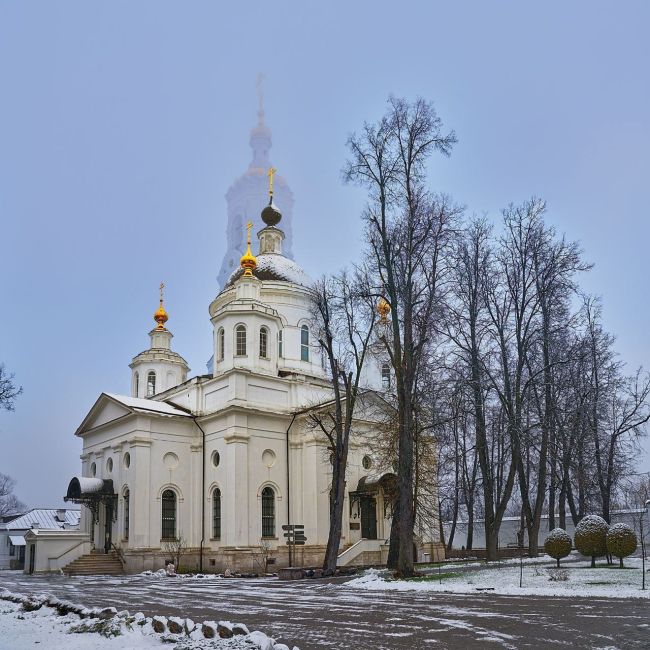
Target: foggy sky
x=123, y=124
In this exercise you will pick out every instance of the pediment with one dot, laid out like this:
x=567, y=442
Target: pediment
x=103, y=411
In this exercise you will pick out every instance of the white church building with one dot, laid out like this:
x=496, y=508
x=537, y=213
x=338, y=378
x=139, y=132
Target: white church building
x=222, y=461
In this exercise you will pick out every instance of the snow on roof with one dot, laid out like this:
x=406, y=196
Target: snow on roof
x=140, y=404
x=45, y=518
x=87, y=484
x=17, y=540
x=273, y=266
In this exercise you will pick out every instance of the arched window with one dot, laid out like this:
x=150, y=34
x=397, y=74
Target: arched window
x=268, y=512
x=216, y=513
x=280, y=355
x=304, y=343
x=168, y=515
x=221, y=341
x=385, y=375
x=240, y=341
x=126, y=513
x=151, y=383
x=264, y=339
x=136, y=384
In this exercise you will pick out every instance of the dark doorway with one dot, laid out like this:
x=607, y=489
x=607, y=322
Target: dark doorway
x=108, y=526
x=32, y=557
x=368, y=517
x=21, y=557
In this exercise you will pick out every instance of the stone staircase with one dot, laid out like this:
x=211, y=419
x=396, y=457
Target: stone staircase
x=96, y=563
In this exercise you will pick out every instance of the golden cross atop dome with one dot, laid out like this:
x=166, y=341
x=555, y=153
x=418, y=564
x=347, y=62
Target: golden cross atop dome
x=270, y=174
x=248, y=261
x=160, y=315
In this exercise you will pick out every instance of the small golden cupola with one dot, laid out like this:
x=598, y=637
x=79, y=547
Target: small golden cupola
x=160, y=315
x=383, y=309
x=248, y=261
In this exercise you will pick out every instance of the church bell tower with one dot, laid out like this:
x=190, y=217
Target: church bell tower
x=248, y=192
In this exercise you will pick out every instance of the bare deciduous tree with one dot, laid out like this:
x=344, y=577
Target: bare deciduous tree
x=344, y=317
x=8, y=389
x=9, y=502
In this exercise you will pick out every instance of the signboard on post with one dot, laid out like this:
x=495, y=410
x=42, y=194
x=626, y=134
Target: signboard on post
x=295, y=536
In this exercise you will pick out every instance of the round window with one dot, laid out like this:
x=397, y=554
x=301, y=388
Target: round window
x=366, y=462
x=216, y=458
x=93, y=469
x=109, y=465
x=127, y=460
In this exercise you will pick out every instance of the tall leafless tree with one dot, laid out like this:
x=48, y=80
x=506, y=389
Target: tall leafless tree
x=407, y=229
x=344, y=315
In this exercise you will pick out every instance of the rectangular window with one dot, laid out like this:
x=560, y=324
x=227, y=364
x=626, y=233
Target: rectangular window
x=268, y=513
x=241, y=341
x=216, y=514
x=280, y=344
x=263, y=342
x=220, y=344
x=304, y=343
x=126, y=515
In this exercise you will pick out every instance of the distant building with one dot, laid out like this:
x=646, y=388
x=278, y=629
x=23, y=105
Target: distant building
x=14, y=527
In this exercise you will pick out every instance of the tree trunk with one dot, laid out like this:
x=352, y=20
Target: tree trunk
x=393, y=548
x=337, y=501
x=470, y=524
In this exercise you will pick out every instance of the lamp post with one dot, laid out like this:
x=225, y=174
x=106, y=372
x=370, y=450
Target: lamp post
x=645, y=510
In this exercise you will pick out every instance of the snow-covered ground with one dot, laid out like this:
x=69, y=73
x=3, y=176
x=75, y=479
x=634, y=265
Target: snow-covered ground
x=540, y=578
x=21, y=628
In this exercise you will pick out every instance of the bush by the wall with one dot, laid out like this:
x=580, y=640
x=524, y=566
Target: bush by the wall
x=621, y=541
x=591, y=537
x=558, y=544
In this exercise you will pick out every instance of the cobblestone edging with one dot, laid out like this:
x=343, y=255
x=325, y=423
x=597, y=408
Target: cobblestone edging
x=170, y=629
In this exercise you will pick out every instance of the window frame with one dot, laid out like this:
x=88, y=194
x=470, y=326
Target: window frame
x=304, y=343
x=268, y=513
x=239, y=329
x=264, y=342
x=127, y=514
x=216, y=513
x=151, y=385
x=385, y=376
x=280, y=345
x=136, y=383
x=221, y=344
x=167, y=517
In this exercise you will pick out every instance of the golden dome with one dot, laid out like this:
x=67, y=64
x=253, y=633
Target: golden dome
x=383, y=309
x=248, y=261
x=160, y=315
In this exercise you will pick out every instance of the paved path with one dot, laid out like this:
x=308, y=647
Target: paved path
x=321, y=615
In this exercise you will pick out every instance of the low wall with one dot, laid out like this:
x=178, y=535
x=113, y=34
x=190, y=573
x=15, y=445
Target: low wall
x=237, y=560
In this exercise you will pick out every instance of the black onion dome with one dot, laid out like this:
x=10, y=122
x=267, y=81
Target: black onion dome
x=271, y=215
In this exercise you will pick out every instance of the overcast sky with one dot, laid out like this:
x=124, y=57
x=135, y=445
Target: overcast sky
x=122, y=125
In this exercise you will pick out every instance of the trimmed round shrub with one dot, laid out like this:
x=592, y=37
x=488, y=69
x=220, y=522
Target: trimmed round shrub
x=591, y=537
x=558, y=544
x=621, y=541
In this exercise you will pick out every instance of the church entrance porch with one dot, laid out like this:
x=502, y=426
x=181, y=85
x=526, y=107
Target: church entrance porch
x=371, y=506
x=98, y=496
